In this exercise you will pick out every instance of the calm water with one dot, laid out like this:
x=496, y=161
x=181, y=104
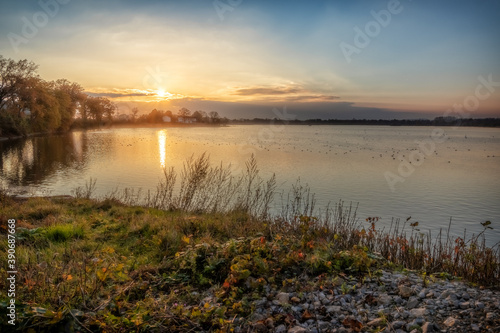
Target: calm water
x=458, y=180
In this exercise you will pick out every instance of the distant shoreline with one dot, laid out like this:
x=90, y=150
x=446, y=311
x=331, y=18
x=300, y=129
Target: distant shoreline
x=485, y=123
x=439, y=121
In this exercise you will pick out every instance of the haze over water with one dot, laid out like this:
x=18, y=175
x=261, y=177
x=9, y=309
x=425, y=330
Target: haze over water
x=459, y=180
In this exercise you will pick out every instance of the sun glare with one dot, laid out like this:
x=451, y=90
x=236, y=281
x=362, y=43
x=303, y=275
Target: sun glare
x=162, y=93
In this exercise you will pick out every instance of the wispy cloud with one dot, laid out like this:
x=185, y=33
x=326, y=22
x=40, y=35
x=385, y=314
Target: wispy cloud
x=309, y=98
x=135, y=95
x=116, y=95
x=267, y=91
x=293, y=93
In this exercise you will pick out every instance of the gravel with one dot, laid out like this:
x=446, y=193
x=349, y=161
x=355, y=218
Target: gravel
x=394, y=302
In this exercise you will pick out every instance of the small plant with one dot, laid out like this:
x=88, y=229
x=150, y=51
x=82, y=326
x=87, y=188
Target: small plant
x=87, y=191
x=63, y=233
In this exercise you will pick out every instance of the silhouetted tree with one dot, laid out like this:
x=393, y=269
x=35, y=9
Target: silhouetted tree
x=135, y=111
x=214, y=116
x=183, y=112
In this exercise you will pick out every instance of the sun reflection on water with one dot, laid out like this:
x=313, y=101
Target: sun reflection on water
x=162, y=146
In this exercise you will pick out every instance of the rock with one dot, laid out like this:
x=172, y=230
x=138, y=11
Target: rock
x=411, y=326
x=427, y=327
x=480, y=305
x=384, y=300
x=257, y=317
x=397, y=324
x=450, y=321
x=295, y=299
x=270, y=323
x=464, y=305
x=283, y=298
x=297, y=329
x=417, y=312
x=323, y=325
x=474, y=327
x=419, y=321
x=376, y=322
x=405, y=291
x=413, y=302
x=491, y=316
x=281, y=329
x=398, y=300
x=333, y=308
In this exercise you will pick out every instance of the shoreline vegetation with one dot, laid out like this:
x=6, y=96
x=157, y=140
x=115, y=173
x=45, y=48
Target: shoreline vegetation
x=209, y=256
x=456, y=122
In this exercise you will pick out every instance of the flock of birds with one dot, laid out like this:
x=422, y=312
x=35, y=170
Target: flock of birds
x=324, y=143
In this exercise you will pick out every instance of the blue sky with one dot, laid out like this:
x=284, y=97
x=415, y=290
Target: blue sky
x=251, y=56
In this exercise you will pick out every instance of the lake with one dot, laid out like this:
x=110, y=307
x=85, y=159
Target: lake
x=453, y=172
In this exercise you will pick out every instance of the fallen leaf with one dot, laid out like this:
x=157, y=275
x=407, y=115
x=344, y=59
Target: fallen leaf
x=307, y=315
x=352, y=323
x=370, y=300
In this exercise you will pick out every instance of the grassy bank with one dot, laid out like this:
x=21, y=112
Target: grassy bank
x=197, y=259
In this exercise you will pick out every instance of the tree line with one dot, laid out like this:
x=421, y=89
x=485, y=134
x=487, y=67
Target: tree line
x=438, y=121
x=29, y=104
x=182, y=115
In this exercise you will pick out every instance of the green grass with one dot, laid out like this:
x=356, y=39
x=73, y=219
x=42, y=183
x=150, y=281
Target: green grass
x=63, y=233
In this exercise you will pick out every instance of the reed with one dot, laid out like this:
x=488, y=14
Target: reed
x=208, y=189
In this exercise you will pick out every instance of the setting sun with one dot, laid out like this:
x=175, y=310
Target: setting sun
x=162, y=93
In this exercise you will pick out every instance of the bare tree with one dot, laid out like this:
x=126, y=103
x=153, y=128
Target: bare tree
x=135, y=111
x=214, y=116
x=183, y=112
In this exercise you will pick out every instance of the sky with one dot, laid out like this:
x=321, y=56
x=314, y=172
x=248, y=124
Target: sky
x=252, y=58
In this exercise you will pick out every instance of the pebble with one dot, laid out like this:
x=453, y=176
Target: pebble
x=297, y=329
x=450, y=321
x=406, y=305
x=413, y=302
x=417, y=312
x=427, y=327
x=282, y=298
x=405, y=291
